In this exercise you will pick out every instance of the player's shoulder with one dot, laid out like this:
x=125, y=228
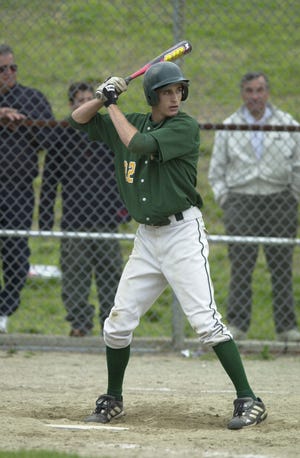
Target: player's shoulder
x=137, y=117
x=185, y=118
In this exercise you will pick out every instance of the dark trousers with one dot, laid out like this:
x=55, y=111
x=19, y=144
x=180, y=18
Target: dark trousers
x=81, y=260
x=262, y=216
x=16, y=209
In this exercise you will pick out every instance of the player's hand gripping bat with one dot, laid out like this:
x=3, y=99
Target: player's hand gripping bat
x=173, y=53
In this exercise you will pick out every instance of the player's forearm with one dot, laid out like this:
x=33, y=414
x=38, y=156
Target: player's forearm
x=125, y=130
x=87, y=111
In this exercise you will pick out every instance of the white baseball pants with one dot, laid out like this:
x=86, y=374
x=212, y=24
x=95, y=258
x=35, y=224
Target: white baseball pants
x=177, y=255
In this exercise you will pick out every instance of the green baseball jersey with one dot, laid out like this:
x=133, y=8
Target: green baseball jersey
x=153, y=186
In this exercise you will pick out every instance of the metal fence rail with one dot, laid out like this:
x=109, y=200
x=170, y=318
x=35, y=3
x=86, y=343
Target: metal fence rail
x=217, y=239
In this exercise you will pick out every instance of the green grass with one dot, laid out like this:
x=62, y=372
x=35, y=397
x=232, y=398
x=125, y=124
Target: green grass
x=59, y=42
x=38, y=454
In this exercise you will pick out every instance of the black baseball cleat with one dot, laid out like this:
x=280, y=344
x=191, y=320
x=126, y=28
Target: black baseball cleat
x=107, y=408
x=247, y=412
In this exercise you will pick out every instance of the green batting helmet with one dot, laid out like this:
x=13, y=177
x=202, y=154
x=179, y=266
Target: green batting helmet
x=162, y=74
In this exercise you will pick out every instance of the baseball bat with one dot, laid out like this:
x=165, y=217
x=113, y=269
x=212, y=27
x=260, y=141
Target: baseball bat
x=173, y=53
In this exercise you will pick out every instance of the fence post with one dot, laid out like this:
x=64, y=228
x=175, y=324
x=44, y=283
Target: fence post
x=178, y=19
x=177, y=314
x=177, y=324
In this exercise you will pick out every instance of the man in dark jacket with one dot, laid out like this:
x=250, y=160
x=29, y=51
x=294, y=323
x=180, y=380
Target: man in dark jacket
x=19, y=145
x=90, y=203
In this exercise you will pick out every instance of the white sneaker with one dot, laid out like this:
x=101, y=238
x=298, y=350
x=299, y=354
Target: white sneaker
x=293, y=335
x=3, y=324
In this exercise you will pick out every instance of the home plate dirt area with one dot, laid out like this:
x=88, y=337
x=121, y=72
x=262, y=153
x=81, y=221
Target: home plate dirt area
x=175, y=406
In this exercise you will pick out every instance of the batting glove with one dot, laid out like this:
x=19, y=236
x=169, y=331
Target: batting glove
x=110, y=94
x=119, y=84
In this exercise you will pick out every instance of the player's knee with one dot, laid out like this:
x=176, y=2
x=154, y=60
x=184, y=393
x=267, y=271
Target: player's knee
x=118, y=329
x=116, y=340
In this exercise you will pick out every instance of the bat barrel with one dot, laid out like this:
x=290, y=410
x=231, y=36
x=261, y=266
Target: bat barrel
x=171, y=54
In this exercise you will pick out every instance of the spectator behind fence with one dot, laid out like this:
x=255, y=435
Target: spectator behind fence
x=255, y=177
x=18, y=168
x=90, y=203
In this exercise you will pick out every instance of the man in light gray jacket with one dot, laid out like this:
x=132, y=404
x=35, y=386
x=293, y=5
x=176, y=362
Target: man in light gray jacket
x=255, y=177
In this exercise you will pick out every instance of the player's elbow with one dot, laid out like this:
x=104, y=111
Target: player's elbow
x=142, y=144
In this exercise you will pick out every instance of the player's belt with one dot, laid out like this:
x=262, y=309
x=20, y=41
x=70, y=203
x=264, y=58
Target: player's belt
x=178, y=217
x=186, y=215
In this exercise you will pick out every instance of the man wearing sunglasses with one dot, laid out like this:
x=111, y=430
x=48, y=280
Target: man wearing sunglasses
x=19, y=145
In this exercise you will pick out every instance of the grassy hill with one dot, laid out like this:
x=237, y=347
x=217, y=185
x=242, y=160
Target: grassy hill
x=57, y=42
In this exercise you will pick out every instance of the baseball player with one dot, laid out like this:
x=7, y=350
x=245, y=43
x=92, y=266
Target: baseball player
x=156, y=157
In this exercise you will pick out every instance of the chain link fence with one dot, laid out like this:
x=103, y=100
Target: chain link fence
x=65, y=234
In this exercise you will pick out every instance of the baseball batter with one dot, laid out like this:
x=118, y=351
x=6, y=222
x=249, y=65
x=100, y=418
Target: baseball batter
x=156, y=157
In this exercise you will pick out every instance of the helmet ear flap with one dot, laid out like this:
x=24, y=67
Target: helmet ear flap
x=185, y=92
x=152, y=98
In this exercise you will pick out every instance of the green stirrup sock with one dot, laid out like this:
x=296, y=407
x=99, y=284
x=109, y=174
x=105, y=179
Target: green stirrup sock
x=230, y=358
x=116, y=360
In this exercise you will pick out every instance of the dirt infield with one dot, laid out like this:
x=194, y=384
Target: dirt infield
x=175, y=406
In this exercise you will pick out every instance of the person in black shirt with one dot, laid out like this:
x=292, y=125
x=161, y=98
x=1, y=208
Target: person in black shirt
x=90, y=203
x=19, y=145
